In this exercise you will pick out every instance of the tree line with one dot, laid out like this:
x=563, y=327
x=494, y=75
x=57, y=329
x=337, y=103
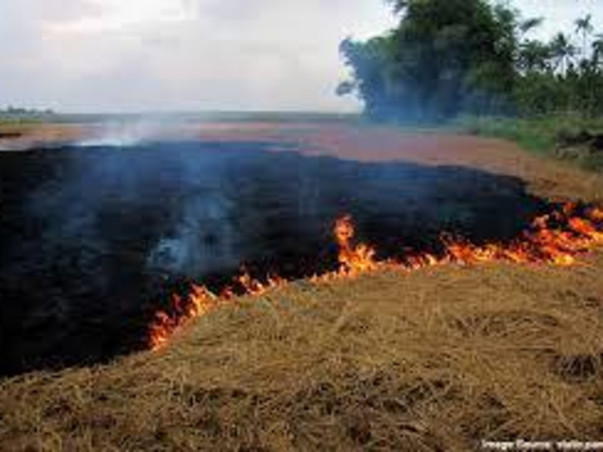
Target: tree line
x=453, y=57
x=12, y=111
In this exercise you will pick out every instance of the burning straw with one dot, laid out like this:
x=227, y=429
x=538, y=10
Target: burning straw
x=557, y=238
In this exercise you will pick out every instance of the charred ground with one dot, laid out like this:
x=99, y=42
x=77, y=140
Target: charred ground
x=95, y=239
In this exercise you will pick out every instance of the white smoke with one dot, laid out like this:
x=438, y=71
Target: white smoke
x=125, y=133
x=204, y=241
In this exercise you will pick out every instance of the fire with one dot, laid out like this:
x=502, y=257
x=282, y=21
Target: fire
x=557, y=238
x=353, y=259
x=198, y=303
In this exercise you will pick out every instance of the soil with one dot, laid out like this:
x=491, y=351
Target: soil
x=545, y=177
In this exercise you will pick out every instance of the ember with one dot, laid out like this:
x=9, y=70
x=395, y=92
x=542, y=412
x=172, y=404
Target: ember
x=557, y=238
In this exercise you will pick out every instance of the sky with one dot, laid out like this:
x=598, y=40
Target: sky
x=192, y=55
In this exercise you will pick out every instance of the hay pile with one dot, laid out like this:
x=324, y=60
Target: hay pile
x=435, y=360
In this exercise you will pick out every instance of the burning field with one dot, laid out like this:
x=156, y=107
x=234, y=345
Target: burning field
x=293, y=298
x=557, y=238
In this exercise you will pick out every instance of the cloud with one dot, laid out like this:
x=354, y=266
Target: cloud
x=108, y=16
x=179, y=54
x=125, y=55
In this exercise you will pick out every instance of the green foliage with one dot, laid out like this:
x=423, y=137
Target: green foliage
x=452, y=57
x=14, y=115
x=537, y=135
x=445, y=56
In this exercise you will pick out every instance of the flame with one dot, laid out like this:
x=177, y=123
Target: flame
x=198, y=303
x=353, y=259
x=557, y=238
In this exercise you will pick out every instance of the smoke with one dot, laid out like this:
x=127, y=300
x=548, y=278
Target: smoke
x=203, y=241
x=127, y=133
x=175, y=199
x=183, y=209
x=93, y=238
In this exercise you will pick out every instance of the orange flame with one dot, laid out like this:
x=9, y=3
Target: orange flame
x=557, y=238
x=198, y=303
x=353, y=260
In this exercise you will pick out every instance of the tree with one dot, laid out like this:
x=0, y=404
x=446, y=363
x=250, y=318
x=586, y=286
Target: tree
x=452, y=57
x=597, y=47
x=444, y=56
x=372, y=69
x=563, y=52
x=534, y=56
x=530, y=24
x=585, y=28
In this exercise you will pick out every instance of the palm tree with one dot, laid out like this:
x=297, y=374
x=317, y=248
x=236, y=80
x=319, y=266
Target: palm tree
x=563, y=51
x=529, y=24
x=584, y=27
x=534, y=56
x=597, y=46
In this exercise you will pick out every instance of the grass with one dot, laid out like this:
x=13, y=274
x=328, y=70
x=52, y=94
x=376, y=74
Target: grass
x=537, y=135
x=435, y=360
x=16, y=120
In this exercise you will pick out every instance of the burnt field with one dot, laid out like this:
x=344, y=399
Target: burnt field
x=94, y=240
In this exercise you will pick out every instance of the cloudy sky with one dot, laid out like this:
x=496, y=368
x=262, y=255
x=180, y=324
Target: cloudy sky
x=132, y=55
